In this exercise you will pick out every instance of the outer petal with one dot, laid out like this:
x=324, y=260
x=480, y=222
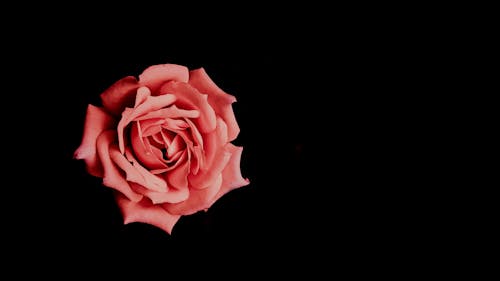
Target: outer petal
x=155, y=76
x=190, y=98
x=206, y=178
x=96, y=121
x=145, y=212
x=173, y=195
x=231, y=176
x=112, y=176
x=217, y=98
x=198, y=199
x=120, y=95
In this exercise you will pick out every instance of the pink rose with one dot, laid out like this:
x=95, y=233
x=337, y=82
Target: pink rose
x=163, y=143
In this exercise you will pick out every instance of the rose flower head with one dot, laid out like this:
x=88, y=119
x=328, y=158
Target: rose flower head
x=163, y=143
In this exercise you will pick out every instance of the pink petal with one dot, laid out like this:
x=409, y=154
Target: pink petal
x=144, y=151
x=173, y=195
x=178, y=177
x=152, y=103
x=96, y=121
x=120, y=95
x=112, y=176
x=213, y=141
x=170, y=112
x=151, y=127
x=198, y=139
x=145, y=212
x=190, y=98
x=156, y=75
x=176, y=146
x=231, y=176
x=135, y=172
x=220, y=101
x=199, y=199
x=151, y=181
x=142, y=95
x=205, y=178
x=175, y=124
x=198, y=160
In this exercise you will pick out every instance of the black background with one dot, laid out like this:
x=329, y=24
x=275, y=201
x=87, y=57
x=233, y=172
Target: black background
x=313, y=108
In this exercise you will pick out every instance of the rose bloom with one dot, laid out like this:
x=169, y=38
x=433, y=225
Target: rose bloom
x=162, y=142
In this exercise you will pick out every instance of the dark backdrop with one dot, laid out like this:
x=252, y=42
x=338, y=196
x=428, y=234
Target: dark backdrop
x=313, y=115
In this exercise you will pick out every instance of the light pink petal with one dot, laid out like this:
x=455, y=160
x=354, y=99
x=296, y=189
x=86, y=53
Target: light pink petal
x=198, y=139
x=112, y=176
x=142, y=95
x=145, y=212
x=177, y=144
x=205, y=178
x=121, y=128
x=175, y=124
x=189, y=98
x=231, y=176
x=178, y=177
x=151, y=127
x=151, y=104
x=173, y=195
x=148, y=155
x=199, y=199
x=120, y=95
x=213, y=142
x=220, y=101
x=170, y=112
x=156, y=75
x=137, y=172
x=197, y=161
x=96, y=121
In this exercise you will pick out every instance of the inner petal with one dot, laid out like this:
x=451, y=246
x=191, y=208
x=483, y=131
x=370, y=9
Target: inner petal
x=176, y=145
x=175, y=124
x=170, y=112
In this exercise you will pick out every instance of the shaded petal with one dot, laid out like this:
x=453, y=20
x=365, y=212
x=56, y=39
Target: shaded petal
x=120, y=95
x=197, y=161
x=148, y=155
x=152, y=103
x=199, y=199
x=205, y=178
x=198, y=139
x=213, y=141
x=135, y=172
x=142, y=95
x=190, y=98
x=170, y=112
x=175, y=124
x=178, y=177
x=112, y=176
x=173, y=195
x=156, y=75
x=220, y=101
x=231, y=176
x=176, y=146
x=145, y=212
x=151, y=127
x=96, y=121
